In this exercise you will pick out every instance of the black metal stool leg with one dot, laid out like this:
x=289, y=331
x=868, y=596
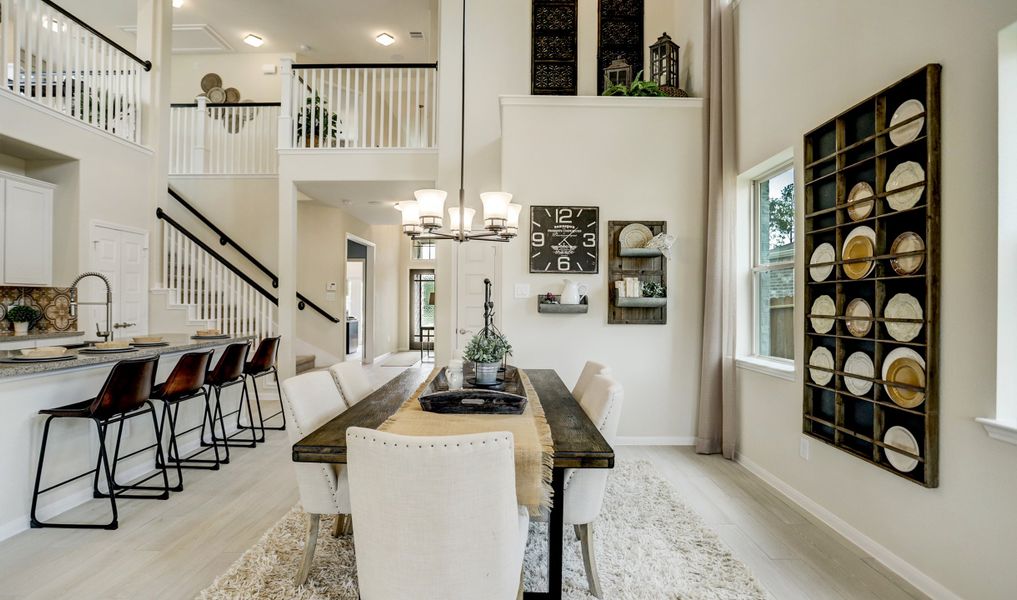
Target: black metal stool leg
x=245, y=401
x=257, y=397
x=172, y=450
x=191, y=462
x=222, y=426
x=121, y=490
x=257, y=402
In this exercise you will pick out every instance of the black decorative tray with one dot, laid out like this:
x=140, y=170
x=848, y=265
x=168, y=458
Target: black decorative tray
x=510, y=400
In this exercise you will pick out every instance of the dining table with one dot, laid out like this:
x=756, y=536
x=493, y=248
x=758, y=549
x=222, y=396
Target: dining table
x=578, y=444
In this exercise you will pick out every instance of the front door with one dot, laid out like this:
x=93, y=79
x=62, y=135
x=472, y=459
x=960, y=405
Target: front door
x=122, y=256
x=477, y=261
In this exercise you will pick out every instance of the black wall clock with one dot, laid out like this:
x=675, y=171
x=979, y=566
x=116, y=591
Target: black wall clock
x=564, y=239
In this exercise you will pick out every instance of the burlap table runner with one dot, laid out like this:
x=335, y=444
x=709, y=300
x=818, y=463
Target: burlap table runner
x=534, y=448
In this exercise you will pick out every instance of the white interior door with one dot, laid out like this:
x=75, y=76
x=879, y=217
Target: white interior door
x=476, y=261
x=122, y=256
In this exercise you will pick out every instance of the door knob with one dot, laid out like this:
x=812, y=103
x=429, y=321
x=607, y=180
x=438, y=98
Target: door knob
x=463, y=332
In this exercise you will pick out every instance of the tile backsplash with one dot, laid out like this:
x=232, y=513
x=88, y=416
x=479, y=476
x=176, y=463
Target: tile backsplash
x=53, y=303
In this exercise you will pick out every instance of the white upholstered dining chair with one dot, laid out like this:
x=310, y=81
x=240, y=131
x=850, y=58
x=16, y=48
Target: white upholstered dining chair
x=584, y=488
x=352, y=381
x=311, y=400
x=590, y=370
x=436, y=517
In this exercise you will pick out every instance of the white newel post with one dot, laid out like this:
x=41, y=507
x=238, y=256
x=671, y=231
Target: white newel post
x=200, y=118
x=286, y=104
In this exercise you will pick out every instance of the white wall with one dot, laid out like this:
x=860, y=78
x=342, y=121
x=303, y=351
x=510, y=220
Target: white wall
x=388, y=284
x=792, y=77
x=242, y=71
x=613, y=154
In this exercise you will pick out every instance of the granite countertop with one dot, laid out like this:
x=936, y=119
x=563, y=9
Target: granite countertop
x=177, y=343
x=8, y=336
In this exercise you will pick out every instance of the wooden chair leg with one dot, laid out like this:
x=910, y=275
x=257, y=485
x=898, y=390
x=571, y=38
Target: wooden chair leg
x=337, y=525
x=309, y=543
x=585, y=532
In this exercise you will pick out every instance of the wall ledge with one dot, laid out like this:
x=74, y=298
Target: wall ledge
x=601, y=102
x=782, y=369
x=997, y=429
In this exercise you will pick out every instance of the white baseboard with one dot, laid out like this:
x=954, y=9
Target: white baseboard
x=649, y=440
x=898, y=565
x=379, y=358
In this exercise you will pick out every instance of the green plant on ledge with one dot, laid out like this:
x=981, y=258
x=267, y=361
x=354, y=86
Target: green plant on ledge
x=316, y=124
x=21, y=313
x=487, y=349
x=638, y=87
x=652, y=289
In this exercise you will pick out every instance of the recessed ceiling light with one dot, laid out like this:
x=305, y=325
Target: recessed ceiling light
x=252, y=40
x=385, y=39
x=178, y=3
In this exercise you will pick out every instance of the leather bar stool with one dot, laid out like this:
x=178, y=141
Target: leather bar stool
x=260, y=365
x=186, y=382
x=124, y=395
x=229, y=371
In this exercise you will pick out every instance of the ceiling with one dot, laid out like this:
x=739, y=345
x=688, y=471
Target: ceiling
x=333, y=30
x=370, y=201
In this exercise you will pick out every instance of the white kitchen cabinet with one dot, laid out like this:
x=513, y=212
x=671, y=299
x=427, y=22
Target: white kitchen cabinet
x=26, y=232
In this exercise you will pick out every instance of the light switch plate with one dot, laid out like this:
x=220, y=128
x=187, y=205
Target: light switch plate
x=522, y=290
x=331, y=286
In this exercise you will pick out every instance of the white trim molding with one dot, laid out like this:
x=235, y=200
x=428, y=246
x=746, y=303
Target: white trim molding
x=782, y=369
x=999, y=429
x=650, y=440
x=884, y=555
x=601, y=101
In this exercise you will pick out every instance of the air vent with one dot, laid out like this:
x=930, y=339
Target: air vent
x=417, y=35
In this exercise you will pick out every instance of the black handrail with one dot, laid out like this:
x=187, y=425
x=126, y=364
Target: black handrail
x=224, y=104
x=144, y=63
x=225, y=239
x=433, y=65
x=162, y=215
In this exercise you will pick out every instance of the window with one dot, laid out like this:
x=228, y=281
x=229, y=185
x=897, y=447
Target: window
x=773, y=264
x=421, y=309
x=424, y=250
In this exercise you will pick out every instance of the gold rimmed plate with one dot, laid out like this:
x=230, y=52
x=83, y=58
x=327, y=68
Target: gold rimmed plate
x=907, y=367
x=906, y=243
x=859, y=317
x=861, y=201
x=903, y=134
x=860, y=244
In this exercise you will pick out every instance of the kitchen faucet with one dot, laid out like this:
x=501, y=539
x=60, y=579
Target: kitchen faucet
x=105, y=335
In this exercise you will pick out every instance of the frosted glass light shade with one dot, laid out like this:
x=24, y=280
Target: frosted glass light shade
x=453, y=219
x=512, y=224
x=432, y=205
x=495, y=209
x=411, y=216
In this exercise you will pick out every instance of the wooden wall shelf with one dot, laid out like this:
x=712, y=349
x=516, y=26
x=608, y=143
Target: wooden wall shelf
x=563, y=309
x=647, y=265
x=856, y=147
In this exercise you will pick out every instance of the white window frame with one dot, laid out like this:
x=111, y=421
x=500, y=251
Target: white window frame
x=757, y=268
x=413, y=249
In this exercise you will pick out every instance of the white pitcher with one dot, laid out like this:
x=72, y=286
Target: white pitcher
x=570, y=292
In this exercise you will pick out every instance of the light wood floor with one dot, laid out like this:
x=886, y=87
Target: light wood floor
x=173, y=549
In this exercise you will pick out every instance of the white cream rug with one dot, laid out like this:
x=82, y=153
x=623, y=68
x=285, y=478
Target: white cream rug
x=649, y=546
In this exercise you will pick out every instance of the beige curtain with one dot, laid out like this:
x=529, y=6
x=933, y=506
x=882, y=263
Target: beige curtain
x=715, y=430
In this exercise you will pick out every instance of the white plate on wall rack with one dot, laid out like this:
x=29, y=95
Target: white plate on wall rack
x=907, y=133
x=903, y=306
x=635, y=235
x=900, y=437
x=823, y=358
x=860, y=364
x=909, y=241
x=903, y=175
x=824, y=253
x=823, y=306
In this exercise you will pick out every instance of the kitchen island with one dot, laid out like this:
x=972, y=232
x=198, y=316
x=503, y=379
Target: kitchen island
x=25, y=388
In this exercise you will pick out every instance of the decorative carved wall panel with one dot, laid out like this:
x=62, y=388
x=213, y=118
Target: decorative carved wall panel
x=554, y=69
x=620, y=34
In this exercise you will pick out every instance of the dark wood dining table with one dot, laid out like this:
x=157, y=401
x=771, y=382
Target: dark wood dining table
x=578, y=444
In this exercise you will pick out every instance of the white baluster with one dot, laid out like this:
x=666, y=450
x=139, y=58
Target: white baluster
x=199, y=119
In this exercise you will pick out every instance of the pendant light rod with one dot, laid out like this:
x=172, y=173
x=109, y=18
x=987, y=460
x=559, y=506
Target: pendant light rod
x=462, y=135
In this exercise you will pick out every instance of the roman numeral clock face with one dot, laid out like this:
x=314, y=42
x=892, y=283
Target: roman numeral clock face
x=564, y=239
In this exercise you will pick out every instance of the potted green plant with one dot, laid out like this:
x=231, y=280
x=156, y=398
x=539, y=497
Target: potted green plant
x=22, y=316
x=486, y=351
x=316, y=124
x=638, y=87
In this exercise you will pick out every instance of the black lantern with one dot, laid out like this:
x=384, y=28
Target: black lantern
x=664, y=65
x=619, y=72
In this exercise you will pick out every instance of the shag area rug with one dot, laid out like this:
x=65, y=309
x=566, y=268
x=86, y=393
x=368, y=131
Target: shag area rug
x=649, y=545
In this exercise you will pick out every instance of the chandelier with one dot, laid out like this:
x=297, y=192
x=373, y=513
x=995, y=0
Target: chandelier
x=422, y=218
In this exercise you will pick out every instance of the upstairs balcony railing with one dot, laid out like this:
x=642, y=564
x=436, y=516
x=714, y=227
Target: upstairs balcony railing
x=224, y=139
x=55, y=59
x=359, y=106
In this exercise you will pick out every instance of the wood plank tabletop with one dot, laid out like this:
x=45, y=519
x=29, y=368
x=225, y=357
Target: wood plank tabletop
x=577, y=441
